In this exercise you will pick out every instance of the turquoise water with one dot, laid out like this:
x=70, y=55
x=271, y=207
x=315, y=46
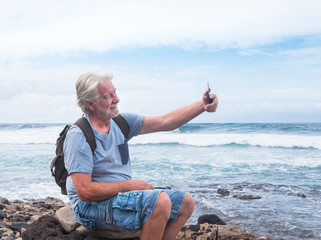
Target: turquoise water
x=280, y=163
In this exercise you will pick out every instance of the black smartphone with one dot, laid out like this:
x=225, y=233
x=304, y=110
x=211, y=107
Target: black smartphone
x=209, y=100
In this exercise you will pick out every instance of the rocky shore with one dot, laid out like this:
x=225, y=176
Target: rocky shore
x=37, y=220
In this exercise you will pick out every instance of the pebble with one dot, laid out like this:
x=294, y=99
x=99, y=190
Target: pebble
x=17, y=216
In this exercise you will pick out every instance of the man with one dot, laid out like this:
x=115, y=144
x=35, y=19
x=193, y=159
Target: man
x=100, y=187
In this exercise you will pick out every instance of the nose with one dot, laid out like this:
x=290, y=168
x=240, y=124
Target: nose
x=115, y=98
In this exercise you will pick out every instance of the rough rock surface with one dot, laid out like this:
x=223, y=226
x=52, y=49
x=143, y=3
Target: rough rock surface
x=36, y=220
x=208, y=231
x=17, y=216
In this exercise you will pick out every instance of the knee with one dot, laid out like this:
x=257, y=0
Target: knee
x=188, y=205
x=163, y=206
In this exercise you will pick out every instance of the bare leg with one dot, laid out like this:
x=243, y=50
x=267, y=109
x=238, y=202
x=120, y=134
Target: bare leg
x=153, y=228
x=184, y=214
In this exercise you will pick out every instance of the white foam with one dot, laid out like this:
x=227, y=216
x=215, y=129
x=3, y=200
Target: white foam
x=30, y=135
x=264, y=140
x=48, y=135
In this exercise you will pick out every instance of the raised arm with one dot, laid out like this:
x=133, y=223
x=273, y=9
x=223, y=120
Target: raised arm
x=179, y=117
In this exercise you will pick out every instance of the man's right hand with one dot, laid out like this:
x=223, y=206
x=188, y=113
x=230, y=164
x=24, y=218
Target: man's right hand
x=139, y=185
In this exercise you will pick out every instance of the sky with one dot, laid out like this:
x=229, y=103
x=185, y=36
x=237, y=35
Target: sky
x=261, y=58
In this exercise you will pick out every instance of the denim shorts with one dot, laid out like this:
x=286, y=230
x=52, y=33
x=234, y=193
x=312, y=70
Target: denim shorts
x=125, y=211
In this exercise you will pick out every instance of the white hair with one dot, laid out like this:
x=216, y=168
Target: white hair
x=87, y=87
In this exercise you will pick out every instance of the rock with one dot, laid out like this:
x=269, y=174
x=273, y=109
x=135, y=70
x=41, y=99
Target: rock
x=46, y=227
x=67, y=218
x=223, y=192
x=246, y=197
x=302, y=195
x=211, y=219
x=43, y=225
x=9, y=238
x=221, y=232
x=2, y=215
x=34, y=218
x=48, y=203
x=4, y=201
x=18, y=226
x=108, y=234
x=7, y=232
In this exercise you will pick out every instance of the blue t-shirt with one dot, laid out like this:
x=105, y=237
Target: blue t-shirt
x=110, y=161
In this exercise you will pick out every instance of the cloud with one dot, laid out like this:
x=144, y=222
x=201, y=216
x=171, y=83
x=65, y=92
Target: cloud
x=257, y=55
x=68, y=27
x=37, y=107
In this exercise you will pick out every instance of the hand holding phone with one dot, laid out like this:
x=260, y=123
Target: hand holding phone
x=209, y=100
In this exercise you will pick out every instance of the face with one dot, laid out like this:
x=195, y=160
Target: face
x=106, y=105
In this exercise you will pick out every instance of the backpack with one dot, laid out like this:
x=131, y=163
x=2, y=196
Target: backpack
x=57, y=165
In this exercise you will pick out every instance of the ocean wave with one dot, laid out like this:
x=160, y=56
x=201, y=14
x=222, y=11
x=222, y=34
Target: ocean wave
x=30, y=135
x=48, y=133
x=246, y=140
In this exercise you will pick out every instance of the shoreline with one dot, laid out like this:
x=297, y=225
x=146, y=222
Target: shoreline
x=21, y=219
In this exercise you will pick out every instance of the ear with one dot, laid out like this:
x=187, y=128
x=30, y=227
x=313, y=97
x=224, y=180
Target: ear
x=90, y=105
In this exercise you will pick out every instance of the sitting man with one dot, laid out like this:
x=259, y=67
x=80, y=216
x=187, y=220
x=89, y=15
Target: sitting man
x=100, y=187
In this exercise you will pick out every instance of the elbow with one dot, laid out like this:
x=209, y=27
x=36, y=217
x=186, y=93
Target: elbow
x=84, y=195
x=83, y=186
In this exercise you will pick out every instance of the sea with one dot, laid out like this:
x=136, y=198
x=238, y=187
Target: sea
x=278, y=164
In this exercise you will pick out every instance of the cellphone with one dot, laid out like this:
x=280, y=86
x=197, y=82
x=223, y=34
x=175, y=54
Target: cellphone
x=209, y=100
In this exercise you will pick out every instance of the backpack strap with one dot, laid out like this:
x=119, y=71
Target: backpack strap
x=123, y=125
x=84, y=125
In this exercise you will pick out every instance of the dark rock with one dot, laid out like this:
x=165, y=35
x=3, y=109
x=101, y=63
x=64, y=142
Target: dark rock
x=211, y=219
x=2, y=215
x=302, y=195
x=18, y=218
x=45, y=228
x=196, y=234
x=18, y=226
x=9, y=238
x=223, y=192
x=4, y=201
x=246, y=197
x=195, y=228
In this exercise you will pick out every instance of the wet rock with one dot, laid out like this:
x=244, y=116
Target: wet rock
x=223, y=192
x=246, y=197
x=302, y=195
x=211, y=219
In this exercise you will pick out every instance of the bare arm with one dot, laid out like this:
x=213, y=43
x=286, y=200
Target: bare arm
x=97, y=191
x=178, y=117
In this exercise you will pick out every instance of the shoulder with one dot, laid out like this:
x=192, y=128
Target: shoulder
x=75, y=130
x=75, y=135
x=132, y=117
x=135, y=123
